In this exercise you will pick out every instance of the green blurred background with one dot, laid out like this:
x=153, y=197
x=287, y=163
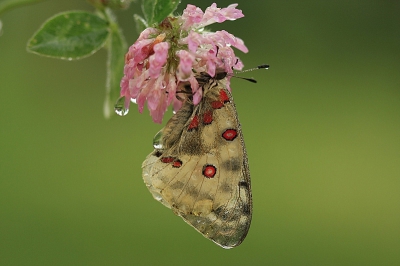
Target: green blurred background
x=321, y=127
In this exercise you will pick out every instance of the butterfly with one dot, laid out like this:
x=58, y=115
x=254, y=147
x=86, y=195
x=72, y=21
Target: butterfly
x=199, y=166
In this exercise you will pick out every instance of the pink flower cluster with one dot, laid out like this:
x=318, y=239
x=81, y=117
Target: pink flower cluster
x=164, y=58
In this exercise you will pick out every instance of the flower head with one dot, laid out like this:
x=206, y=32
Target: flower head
x=169, y=55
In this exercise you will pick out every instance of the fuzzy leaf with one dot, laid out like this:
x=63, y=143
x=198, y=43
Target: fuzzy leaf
x=156, y=10
x=70, y=35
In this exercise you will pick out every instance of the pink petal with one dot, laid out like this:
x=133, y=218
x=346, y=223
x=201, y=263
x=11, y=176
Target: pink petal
x=211, y=15
x=239, y=64
x=140, y=100
x=193, y=40
x=153, y=99
x=240, y=45
x=232, y=40
x=158, y=59
x=197, y=97
x=197, y=92
x=185, y=65
x=177, y=104
x=138, y=52
x=171, y=89
x=191, y=15
x=124, y=86
x=144, y=93
x=231, y=13
x=214, y=14
x=229, y=39
x=157, y=104
x=146, y=33
x=136, y=85
x=228, y=58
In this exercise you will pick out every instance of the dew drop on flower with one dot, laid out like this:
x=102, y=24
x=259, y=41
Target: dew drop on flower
x=119, y=107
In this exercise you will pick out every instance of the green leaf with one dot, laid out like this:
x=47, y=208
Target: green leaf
x=116, y=48
x=156, y=10
x=70, y=35
x=141, y=23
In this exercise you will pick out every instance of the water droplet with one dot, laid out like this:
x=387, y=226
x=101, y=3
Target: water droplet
x=119, y=107
x=157, y=196
x=157, y=140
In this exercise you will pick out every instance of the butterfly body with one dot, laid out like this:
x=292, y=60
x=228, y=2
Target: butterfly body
x=199, y=166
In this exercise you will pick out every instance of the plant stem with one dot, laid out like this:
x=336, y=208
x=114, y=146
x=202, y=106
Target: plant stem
x=9, y=4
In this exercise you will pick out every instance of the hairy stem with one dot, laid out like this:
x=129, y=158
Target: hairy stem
x=10, y=4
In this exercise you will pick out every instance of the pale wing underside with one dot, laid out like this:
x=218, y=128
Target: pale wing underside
x=219, y=207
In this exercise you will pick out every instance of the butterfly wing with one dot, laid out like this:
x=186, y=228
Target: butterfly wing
x=200, y=170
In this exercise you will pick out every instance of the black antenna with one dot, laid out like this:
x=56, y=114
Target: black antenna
x=251, y=69
x=255, y=68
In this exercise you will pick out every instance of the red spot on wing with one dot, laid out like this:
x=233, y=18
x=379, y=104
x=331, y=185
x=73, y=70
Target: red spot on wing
x=217, y=104
x=194, y=123
x=209, y=171
x=167, y=159
x=229, y=134
x=223, y=96
x=177, y=163
x=207, y=118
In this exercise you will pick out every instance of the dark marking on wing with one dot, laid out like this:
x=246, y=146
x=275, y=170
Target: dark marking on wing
x=244, y=184
x=232, y=164
x=246, y=208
